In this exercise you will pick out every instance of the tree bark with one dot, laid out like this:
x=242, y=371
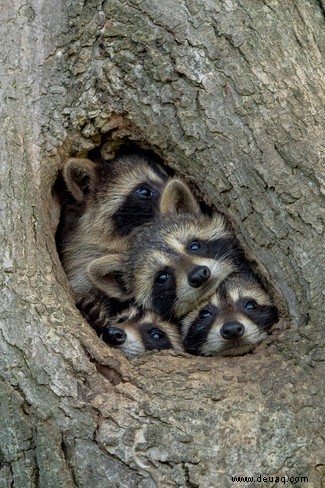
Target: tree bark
x=230, y=94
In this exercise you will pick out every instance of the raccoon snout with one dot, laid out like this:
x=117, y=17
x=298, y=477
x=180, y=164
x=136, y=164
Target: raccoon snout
x=114, y=336
x=232, y=330
x=198, y=276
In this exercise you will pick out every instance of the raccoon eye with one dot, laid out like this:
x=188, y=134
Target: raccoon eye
x=250, y=305
x=205, y=313
x=144, y=192
x=156, y=334
x=194, y=246
x=161, y=278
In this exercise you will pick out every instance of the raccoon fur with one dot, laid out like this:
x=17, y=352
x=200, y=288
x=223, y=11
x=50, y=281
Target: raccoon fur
x=176, y=261
x=109, y=200
x=233, y=321
x=133, y=331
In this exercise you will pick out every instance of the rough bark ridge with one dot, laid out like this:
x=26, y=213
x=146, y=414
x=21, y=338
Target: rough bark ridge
x=230, y=94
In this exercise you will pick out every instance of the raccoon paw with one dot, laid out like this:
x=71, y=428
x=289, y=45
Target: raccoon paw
x=92, y=310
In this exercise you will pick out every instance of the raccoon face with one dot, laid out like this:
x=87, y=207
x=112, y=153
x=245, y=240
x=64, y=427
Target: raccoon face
x=135, y=332
x=234, y=321
x=113, y=198
x=184, y=260
x=133, y=198
x=118, y=195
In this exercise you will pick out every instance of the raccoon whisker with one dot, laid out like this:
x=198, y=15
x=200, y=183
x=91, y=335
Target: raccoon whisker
x=131, y=350
x=135, y=213
x=170, y=317
x=254, y=339
x=197, y=343
x=230, y=256
x=241, y=342
x=187, y=299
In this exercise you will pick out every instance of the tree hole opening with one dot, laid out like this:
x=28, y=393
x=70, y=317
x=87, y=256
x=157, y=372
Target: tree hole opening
x=127, y=220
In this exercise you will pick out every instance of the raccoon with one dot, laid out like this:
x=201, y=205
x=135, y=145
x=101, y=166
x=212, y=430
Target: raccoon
x=136, y=331
x=175, y=262
x=110, y=199
x=233, y=321
x=133, y=331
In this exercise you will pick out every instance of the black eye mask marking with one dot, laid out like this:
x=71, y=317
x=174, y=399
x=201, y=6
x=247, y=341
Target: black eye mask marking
x=264, y=316
x=138, y=208
x=223, y=248
x=199, y=329
x=164, y=295
x=154, y=338
x=205, y=313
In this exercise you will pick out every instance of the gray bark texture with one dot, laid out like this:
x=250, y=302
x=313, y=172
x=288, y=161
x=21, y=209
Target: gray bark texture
x=231, y=94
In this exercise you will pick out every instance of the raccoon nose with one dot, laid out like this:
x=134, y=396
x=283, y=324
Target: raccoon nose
x=114, y=336
x=232, y=330
x=198, y=276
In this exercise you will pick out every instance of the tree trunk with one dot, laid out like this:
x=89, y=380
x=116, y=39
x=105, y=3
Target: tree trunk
x=231, y=95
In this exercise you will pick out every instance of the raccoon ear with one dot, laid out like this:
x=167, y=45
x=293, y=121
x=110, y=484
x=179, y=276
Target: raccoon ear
x=79, y=174
x=106, y=273
x=177, y=198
